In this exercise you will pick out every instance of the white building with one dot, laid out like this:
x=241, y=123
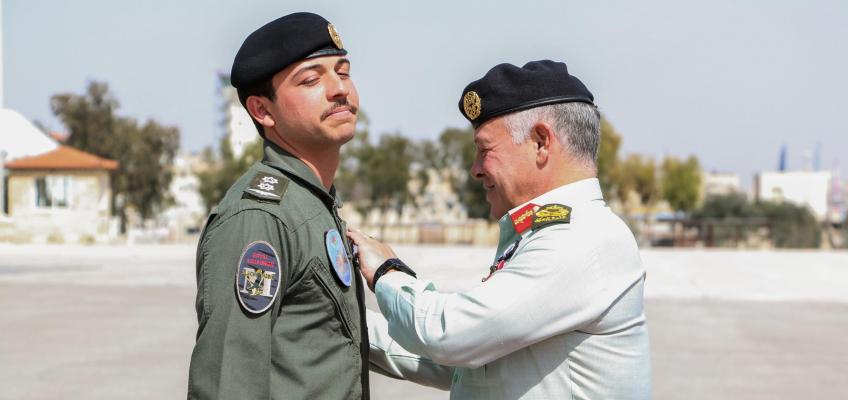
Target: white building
x=239, y=126
x=720, y=184
x=18, y=138
x=186, y=217
x=807, y=188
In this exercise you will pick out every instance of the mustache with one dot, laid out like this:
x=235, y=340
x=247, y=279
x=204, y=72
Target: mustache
x=339, y=105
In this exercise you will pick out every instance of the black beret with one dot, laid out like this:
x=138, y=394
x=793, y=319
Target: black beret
x=507, y=88
x=282, y=42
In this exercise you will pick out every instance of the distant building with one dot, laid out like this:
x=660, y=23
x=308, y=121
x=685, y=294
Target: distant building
x=720, y=184
x=800, y=187
x=63, y=195
x=238, y=125
x=186, y=217
x=18, y=138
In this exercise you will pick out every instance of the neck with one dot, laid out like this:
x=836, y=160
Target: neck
x=323, y=162
x=570, y=173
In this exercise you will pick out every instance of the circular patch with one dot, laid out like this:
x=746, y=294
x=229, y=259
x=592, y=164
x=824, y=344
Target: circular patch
x=258, y=277
x=334, y=34
x=471, y=105
x=337, y=254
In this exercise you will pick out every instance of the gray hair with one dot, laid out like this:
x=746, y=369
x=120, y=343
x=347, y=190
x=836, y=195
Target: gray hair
x=577, y=126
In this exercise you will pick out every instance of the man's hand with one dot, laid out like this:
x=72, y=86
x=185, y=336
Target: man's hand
x=372, y=254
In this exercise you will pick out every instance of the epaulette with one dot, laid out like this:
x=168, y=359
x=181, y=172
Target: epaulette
x=267, y=186
x=551, y=214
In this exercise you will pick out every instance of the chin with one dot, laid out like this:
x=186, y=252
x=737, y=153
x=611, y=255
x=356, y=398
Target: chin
x=345, y=137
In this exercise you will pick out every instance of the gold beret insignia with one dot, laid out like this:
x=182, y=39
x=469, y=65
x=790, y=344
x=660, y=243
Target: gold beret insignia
x=471, y=105
x=337, y=40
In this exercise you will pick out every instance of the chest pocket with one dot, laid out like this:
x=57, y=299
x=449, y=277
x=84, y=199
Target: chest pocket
x=327, y=283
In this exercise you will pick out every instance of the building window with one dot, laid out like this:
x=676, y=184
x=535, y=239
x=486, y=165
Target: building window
x=53, y=191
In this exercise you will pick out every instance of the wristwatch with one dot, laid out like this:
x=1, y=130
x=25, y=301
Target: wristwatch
x=391, y=264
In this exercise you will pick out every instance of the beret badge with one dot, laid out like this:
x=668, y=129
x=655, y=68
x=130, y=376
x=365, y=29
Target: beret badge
x=334, y=34
x=471, y=105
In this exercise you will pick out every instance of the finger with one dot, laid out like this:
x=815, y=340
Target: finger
x=355, y=235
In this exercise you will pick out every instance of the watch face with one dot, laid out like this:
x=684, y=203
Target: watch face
x=337, y=254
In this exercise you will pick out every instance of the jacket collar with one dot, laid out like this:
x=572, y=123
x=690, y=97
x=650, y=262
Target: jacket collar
x=520, y=218
x=276, y=157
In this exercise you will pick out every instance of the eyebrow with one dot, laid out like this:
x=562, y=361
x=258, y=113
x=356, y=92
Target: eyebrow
x=319, y=66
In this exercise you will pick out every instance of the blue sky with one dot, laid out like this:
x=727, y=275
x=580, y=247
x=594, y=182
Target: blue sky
x=728, y=81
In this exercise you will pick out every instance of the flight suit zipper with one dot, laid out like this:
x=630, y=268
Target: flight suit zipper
x=360, y=299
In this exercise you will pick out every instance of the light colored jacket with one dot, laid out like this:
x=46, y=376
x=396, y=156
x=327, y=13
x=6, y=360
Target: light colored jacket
x=562, y=319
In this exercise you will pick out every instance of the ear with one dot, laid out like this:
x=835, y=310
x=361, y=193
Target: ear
x=257, y=107
x=542, y=136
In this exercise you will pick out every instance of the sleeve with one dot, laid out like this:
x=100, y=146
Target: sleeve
x=232, y=354
x=390, y=359
x=552, y=285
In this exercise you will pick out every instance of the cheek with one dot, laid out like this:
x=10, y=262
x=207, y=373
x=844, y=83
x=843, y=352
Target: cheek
x=296, y=109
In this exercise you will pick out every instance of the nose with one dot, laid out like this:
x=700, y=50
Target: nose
x=338, y=87
x=477, y=168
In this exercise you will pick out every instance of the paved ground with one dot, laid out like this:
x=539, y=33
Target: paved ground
x=118, y=322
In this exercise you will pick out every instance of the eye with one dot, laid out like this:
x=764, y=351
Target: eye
x=309, y=81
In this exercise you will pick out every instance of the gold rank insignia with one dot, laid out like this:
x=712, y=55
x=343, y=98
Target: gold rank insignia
x=337, y=40
x=471, y=105
x=551, y=214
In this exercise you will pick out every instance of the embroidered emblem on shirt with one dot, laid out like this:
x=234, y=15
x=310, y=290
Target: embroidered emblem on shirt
x=522, y=218
x=267, y=187
x=550, y=214
x=500, y=262
x=337, y=254
x=258, y=277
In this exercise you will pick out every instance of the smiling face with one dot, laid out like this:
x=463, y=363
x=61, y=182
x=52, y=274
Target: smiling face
x=506, y=169
x=315, y=104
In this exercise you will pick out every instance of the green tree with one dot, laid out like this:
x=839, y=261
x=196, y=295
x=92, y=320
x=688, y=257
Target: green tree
x=224, y=169
x=608, y=162
x=734, y=205
x=145, y=151
x=638, y=174
x=348, y=181
x=457, y=154
x=386, y=169
x=681, y=183
x=792, y=226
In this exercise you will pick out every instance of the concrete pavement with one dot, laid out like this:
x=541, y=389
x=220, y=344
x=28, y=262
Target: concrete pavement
x=119, y=322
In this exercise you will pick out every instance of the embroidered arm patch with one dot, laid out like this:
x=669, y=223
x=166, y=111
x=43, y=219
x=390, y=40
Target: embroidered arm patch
x=266, y=186
x=550, y=214
x=258, y=277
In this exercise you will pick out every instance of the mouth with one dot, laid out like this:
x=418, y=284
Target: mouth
x=339, y=111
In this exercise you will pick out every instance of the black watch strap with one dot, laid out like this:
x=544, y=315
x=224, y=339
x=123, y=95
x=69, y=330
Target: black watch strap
x=390, y=264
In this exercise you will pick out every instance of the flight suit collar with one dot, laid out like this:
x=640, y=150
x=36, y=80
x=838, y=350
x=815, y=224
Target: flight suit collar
x=519, y=219
x=278, y=158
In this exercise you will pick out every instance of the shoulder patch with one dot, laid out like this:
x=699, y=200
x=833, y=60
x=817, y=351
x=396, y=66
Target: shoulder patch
x=258, y=277
x=267, y=186
x=550, y=214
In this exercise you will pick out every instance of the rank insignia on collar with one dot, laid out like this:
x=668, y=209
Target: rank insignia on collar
x=522, y=218
x=258, y=277
x=550, y=214
x=266, y=186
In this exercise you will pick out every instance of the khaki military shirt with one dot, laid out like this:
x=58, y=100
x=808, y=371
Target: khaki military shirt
x=561, y=316
x=279, y=306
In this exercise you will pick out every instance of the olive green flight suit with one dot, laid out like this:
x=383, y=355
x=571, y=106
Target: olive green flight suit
x=312, y=343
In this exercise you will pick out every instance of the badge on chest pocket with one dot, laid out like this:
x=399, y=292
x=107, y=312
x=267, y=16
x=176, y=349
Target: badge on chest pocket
x=337, y=254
